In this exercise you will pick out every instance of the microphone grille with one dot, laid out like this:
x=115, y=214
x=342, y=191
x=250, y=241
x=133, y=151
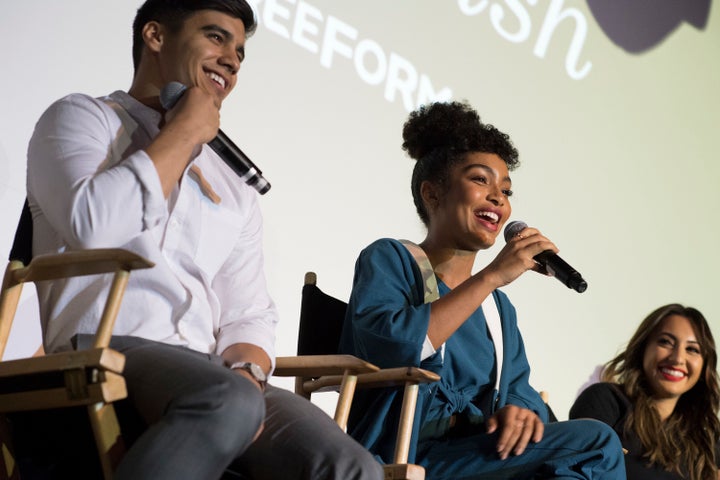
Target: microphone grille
x=171, y=93
x=513, y=228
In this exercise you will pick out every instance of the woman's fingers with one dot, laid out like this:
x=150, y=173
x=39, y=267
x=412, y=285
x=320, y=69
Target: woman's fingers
x=517, y=427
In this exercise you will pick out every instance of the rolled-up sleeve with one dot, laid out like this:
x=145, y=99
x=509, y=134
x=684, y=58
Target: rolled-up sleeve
x=248, y=314
x=386, y=321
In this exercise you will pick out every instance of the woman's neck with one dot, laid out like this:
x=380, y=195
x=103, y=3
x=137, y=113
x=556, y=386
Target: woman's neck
x=452, y=265
x=665, y=407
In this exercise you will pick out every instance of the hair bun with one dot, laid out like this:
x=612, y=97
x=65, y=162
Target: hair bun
x=440, y=126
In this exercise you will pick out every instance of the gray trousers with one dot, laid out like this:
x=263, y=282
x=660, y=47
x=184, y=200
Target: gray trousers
x=194, y=418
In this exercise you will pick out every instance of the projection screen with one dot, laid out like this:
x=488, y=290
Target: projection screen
x=614, y=107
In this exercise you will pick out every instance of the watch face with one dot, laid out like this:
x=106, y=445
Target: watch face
x=257, y=372
x=253, y=369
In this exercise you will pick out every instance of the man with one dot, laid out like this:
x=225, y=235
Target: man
x=197, y=330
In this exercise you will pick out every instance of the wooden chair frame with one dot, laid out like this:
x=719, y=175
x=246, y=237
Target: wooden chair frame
x=91, y=378
x=345, y=373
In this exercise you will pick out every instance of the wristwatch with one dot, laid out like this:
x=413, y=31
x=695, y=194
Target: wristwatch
x=254, y=370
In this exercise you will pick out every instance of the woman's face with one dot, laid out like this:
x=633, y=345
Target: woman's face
x=473, y=207
x=672, y=361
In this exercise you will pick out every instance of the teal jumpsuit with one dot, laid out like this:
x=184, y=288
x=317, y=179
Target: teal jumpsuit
x=387, y=323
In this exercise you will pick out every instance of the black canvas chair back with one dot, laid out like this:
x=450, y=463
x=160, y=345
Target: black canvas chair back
x=319, y=368
x=22, y=244
x=321, y=320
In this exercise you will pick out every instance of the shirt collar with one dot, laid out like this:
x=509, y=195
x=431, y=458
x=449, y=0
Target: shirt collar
x=147, y=117
x=150, y=119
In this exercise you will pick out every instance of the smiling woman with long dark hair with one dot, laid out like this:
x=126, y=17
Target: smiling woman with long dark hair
x=661, y=395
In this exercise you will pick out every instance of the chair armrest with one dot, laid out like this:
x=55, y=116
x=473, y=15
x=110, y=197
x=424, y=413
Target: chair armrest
x=387, y=377
x=77, y=263
x=320, y=365
x=102, y=358
x=63, y=379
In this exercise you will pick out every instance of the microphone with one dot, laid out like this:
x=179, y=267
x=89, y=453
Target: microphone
x=555, y=266
x=222, y=145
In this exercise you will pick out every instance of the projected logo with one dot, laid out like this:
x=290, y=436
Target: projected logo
x=634, y=25
x=640, y=25
x=333, y=40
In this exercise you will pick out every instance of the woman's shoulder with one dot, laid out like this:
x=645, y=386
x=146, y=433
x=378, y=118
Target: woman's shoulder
x=387, y=259
x=387, y=250
x=607, y=390
x=603, y=401
x=383, y=244
x=502, y=298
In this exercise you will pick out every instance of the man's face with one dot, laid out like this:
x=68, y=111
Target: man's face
x=206, y=52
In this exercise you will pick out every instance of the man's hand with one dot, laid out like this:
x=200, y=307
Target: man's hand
x=516, y=426
x=247, y=375
x=194, y=120
x=246, y=352
x=195, y=116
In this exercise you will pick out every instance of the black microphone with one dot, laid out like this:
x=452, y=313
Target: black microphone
x=554, y=265
x=222, y=145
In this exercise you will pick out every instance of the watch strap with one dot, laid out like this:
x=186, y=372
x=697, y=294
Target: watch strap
x=253, y=369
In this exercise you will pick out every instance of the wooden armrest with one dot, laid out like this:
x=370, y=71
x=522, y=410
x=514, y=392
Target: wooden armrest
x=387, y=377
x=101, y=358
x=111, y=387
x=76, y=263
x=320, y=365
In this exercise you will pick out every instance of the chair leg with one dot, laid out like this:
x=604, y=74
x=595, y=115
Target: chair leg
x=401, y=470
x=300, y=387
x=8, y=465
x=107, y=436
x=407, y=471
x=407, y=415
x=347, y=392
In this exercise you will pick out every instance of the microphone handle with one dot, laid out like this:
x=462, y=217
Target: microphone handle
x=221, y=144
x=561, y=270
x=243, y=166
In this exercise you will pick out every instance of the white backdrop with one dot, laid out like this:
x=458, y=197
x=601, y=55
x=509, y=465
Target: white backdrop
x=617, y=133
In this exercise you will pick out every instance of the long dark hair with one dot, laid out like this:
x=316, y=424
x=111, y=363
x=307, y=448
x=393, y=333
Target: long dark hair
x=684, y=442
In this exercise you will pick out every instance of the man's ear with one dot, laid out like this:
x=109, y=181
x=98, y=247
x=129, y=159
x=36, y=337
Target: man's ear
x=153, y=34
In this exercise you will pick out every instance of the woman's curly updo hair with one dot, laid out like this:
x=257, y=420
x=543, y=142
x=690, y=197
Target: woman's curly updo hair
x=439, y=135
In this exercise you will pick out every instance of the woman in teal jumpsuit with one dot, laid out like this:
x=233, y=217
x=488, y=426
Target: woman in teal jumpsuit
x=467, y=425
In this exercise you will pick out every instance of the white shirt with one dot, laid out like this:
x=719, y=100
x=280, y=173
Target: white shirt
x=91, y=185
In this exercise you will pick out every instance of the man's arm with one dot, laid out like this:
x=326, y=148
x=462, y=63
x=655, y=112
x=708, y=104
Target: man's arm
x=193, y=121
x=247, y=352
x=91, y=195
x=248, y=316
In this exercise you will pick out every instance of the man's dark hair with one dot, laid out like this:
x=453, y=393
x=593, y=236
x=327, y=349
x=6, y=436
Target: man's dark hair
x=172, y=14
